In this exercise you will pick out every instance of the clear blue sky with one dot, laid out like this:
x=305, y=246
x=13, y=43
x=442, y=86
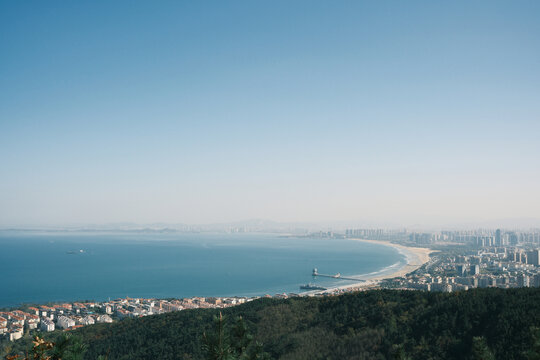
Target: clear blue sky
x=209, y=111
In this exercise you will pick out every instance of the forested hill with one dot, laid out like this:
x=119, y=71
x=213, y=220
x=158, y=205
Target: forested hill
x=385, y=324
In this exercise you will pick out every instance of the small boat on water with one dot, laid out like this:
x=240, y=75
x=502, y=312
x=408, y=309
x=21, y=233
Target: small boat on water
x=75, y=252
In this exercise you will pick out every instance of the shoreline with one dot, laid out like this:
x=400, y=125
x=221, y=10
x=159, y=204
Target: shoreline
x=415, y=258
x=411, y=259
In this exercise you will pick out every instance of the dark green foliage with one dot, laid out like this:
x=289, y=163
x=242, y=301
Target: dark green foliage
x=217, y=344
x=533, y=353
x=378, y=324
x=231, y=344
x=66, y=347
x=480, y=350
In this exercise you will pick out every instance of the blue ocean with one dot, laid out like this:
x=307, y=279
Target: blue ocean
x=57, y=266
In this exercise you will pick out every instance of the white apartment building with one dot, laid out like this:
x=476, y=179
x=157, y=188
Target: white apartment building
x=64, y=322
x=104, y=319
x=87, y=320
x=47, y=324
x=16, y=334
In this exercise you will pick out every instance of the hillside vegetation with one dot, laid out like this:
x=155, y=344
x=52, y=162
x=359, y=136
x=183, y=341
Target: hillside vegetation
x=379, y=324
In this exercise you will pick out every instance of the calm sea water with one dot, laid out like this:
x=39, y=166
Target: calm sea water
x=38, y=268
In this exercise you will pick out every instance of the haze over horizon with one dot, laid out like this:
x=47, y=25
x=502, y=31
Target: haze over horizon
x=400, y=112
x=269, y=226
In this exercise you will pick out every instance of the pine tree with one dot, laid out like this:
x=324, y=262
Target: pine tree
x=480, y=349
x=238, y=345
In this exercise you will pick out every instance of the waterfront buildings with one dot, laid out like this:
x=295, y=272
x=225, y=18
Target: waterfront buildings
x=14, y=324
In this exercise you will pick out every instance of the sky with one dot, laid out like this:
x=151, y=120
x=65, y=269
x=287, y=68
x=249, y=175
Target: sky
x=216, y=111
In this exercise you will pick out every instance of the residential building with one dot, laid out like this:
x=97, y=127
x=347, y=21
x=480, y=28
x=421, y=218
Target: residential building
x=47, y=324
x=64, y=322
x=87, y=320
x=104, y=319
x=15, y=333
x=523, y=280
x=533, y=257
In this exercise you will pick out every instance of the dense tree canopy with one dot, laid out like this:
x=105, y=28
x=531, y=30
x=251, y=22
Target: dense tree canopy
x=378, y=324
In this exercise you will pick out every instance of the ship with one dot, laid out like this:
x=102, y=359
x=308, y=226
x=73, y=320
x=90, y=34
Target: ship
x=311, y=286
x=75, y=252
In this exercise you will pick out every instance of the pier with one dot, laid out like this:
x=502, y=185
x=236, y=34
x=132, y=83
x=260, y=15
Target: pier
x=336, y=276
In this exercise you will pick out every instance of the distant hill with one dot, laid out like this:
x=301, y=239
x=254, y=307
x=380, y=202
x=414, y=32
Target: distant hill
x=380, y=324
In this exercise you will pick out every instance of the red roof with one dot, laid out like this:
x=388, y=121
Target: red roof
x=74, y=327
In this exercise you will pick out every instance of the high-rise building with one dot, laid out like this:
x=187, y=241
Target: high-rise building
x=512, y=238
x=475, y=269
x=521, y=257
x=498, y=239
x=523, y=280
x=533, y=257
x=483, y=282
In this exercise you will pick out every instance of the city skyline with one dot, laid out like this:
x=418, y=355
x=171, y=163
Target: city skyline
x=402, y=113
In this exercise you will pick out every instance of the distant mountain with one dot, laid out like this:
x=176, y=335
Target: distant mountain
x=262, y=225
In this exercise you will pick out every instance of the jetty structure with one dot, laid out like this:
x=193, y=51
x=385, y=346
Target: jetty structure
x=316, y=273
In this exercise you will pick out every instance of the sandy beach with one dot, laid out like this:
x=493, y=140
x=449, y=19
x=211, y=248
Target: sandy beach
x=416, y=257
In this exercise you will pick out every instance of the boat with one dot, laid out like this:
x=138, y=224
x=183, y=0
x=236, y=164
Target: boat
x=75, y=252
x=311, y=286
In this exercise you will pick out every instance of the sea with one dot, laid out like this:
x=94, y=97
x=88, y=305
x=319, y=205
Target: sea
x=42, y=267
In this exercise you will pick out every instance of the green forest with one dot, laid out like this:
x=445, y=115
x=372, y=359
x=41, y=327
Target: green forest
x=378, y=324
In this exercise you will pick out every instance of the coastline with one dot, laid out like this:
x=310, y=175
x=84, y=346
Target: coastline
x=62, y=248
x=415, y=258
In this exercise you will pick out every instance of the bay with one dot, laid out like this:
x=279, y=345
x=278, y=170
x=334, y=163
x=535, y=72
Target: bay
x=58, y=266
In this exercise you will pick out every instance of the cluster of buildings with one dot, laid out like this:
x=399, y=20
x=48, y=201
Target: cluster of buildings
x=13, y=324
x=377, y=234
x=504, y=267
x=465, y=259
x=69, y=316
x=129, y=307
x=478, y=237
